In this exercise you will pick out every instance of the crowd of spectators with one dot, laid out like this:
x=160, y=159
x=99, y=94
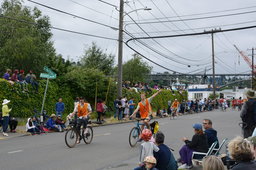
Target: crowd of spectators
x=18, y=76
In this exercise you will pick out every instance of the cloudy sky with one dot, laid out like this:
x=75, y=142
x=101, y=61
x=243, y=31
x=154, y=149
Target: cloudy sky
x=166, y=17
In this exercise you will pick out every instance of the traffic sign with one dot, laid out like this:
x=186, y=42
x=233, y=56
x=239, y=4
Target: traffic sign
x=48, y=76
x=49, y=71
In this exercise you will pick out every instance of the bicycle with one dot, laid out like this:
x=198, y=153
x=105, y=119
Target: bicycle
x=72, y=136
x=134, y=135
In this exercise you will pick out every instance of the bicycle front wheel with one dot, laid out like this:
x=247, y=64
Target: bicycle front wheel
x=71, y=138
x=87, y=135
x=134, y=136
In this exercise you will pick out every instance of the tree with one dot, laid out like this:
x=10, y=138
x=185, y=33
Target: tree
x=136, y=70
x=95, y=58
x=25, y=37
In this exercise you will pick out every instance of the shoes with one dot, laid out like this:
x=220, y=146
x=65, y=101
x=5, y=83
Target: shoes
x=185, y=166
x=5, y=134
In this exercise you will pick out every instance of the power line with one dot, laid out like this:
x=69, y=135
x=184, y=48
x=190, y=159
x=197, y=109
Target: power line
x=92, y=9
x=169, y=4
x=57, y=28
x=73, y=15
x=205, y=13
x=197, y=18
x=214, y=26
x=193, y=34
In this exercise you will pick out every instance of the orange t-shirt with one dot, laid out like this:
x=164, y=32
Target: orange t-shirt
x=144, y=109
x=175, y=104
x=82, y=111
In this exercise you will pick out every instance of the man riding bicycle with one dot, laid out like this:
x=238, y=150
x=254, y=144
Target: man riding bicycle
x=144, y=108
x=83, y=110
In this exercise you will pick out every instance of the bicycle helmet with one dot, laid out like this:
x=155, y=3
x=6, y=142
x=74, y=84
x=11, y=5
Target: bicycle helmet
x=150, y=159
x=146, y=134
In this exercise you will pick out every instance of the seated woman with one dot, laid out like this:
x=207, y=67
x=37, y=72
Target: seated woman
x=240, y=151
x=51, y=124
x=30, y=127
x=199, y=143
x=60, y=122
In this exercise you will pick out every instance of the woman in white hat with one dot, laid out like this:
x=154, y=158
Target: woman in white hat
x=5, y=112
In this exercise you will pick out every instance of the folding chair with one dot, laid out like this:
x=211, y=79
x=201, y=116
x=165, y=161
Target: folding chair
x=197, y=161
x=220, y=147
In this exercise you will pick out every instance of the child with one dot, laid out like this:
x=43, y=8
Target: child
x=150, y=163
x=147, y=147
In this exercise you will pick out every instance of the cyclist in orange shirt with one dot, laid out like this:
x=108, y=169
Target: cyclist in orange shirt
x=83, y=110
x=145, y=108
x=175, y=106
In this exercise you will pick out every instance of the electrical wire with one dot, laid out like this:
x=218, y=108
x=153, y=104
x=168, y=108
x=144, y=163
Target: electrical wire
x=60, y=29
x=73, y=15
x=205, y=13
x=92, y=9
x=197, y=18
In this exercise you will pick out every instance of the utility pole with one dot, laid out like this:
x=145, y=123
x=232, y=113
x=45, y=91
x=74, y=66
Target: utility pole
x=213, y=68
x=213, y=60
x=252, y=67
x=120, y=49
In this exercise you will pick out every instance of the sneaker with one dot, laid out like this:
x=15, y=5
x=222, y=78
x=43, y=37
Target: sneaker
x=183, y=166
x=189, y=167
x=5, y=134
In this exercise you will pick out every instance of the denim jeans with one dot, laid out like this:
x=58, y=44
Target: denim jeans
x=5, y=123
x=120, y=113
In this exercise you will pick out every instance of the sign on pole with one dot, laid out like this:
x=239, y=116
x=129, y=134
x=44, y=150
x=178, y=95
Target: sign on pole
x=50, y=75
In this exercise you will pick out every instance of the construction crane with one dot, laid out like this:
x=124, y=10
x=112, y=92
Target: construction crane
x=247, y=59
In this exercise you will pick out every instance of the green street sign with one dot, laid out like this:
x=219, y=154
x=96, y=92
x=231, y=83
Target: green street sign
x=49, y=71
x=48, y=76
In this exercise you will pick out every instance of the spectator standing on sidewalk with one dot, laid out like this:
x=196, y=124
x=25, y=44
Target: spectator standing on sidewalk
x=248, y=114
x=59, y=107
x=164, y=157
x=131, y=106
x=5, y=115
x=100, y=110
x=210, y=133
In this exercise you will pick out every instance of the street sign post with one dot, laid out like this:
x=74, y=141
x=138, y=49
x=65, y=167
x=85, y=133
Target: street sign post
x=50, y=75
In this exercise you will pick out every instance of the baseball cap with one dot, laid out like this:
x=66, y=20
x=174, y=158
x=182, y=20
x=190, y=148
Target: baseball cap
x=197, y=126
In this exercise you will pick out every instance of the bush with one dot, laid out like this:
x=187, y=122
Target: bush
x=23, y=104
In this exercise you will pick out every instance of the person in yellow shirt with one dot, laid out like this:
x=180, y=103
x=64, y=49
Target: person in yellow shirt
x=5, y=114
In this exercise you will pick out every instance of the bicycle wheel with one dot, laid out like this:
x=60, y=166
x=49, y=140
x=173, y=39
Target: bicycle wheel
x=87, y=135
x=71, y=137
x=134, y=136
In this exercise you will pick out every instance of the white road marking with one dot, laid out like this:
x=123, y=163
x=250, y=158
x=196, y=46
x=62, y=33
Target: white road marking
x=105, y=134
x=15, y=151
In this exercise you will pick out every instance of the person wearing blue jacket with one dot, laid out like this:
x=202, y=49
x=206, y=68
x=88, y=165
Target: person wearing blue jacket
x=164, y=157
x=210, y=133
x=51, y=124
x=59, y=107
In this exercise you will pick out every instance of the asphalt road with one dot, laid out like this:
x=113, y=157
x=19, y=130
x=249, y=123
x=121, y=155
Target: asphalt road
x=109, y=149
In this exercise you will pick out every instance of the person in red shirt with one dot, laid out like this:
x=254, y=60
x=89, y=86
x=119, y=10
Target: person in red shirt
x=239, y=103
x=234, y=103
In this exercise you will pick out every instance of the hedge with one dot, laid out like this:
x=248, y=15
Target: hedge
x=24, y=103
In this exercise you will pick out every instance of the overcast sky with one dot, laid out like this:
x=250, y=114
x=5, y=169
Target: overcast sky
x=194, y=51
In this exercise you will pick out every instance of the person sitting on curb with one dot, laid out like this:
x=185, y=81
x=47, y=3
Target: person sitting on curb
x=149, y=164
x=30, y=127
x=240, y=151
x=164, y=157
x=147, y=147
x=199, y=143
x=60, y=122
x=212, y=163
x=51, y=124
x=210, y=133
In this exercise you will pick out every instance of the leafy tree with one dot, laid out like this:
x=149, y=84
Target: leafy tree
x=83, y=82
x=136, y=70
x=24, y=37
x=95, y=58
